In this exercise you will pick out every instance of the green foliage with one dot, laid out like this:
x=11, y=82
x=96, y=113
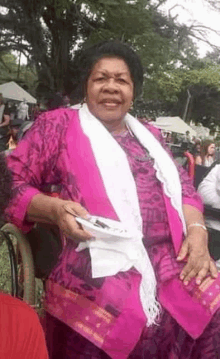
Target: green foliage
x=8, y=67
x=48, y=31
x=10, y=71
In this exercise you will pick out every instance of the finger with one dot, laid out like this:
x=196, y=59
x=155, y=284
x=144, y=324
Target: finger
x=186, y=270
x=202, y=274
x=189, y=276
x=76, y=209
x=79, y=232
x=82, y=235
x=213, y=269
x=183, y=251
x=71, y=228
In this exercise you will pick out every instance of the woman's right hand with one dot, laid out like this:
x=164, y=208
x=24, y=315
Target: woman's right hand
x=62, y=213
x=65, y=214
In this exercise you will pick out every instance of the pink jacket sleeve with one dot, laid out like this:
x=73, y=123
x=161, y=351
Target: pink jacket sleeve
x=33, y=163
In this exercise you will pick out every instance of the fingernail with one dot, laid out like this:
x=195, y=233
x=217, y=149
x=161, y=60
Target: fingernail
x=198, y=281
x=88, y=216
x=178, y=258
x=186, y=283
x=69, y=210
x=181, y=277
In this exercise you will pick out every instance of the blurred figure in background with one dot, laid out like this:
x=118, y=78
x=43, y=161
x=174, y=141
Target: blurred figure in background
x=35, y=112
x=22, y=111
x=4, y=125
x=57, y=100
x=207, y=156
x=196, y=151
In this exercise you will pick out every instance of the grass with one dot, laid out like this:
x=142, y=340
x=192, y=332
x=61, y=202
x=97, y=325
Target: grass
x=5, y=270
x=5, y=278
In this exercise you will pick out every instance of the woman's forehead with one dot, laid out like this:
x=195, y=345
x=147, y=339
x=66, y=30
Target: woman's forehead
x=111, y=64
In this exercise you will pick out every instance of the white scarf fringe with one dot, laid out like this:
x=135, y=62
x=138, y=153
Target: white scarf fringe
x=122, y=193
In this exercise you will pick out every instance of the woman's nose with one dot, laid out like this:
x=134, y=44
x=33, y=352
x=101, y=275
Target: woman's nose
x=111, y=85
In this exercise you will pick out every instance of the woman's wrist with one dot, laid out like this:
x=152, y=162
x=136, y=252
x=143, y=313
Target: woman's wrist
x=197, y=231
x=57, y=209
x=197, y=224
x=45, y=209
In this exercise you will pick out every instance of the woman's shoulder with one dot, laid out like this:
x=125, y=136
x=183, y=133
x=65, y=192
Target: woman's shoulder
x=153, y=129
x=57, y=114
x=55, y=120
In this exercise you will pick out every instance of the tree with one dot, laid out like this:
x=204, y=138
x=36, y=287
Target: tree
x=215, y=4
x=10, y=71
x=49, y=31
x=201, y=82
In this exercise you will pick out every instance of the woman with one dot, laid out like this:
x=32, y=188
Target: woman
x=207, y=156
x=102, y=299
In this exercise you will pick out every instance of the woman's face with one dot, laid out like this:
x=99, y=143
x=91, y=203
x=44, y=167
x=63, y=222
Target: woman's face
x=109, y=89
x=211, y=149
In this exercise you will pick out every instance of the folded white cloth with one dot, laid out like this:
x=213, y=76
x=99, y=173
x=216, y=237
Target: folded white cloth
x=110, y=258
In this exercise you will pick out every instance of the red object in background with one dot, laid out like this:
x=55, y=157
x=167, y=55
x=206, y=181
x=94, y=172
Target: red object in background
x=191, y=164
x=20, y=330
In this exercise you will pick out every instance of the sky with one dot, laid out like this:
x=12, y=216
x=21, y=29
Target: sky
x=196, y=12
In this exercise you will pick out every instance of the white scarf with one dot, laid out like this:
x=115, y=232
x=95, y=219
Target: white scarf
x=110, y=258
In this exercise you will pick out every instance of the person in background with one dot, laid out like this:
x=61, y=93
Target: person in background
x=57, y=100
x=207, y=155
x=21, y=334
x=66, y=101
x=209, y=189
x=187, y=137
x=22, y=111
x=2, y=107
x=35, y=112
x=147, y=296
x=196, y=150
x=4, y=124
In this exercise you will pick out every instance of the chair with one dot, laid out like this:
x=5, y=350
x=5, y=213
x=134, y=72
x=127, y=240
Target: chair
x=22, y=264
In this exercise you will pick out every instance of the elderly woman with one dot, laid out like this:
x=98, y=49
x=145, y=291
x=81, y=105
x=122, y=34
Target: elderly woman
x=155, y=295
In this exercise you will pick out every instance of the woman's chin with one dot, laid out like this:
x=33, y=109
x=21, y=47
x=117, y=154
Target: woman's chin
x=111, y=116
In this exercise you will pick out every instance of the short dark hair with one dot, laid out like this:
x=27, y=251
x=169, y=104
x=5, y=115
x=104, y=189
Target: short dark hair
x=5, y=184
x=85, y=60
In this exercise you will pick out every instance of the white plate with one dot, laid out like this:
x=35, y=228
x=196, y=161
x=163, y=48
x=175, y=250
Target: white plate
x=115, y=231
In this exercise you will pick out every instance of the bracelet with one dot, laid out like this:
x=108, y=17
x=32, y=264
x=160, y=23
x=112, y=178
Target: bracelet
x=196, y=224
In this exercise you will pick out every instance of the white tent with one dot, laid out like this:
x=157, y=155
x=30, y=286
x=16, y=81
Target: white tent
x=12, y=91
x=174, y=124
x=201, y=131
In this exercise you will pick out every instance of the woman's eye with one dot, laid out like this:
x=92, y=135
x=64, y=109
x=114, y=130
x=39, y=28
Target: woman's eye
x=122, y=81
x=99, y=79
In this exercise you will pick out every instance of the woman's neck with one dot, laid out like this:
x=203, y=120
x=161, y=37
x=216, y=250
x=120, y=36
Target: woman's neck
x=115, y=127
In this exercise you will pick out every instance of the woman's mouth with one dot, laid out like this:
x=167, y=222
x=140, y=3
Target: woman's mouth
x=110, y=103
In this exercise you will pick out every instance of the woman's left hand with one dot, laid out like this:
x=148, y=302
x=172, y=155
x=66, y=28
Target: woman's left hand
x=199, y=263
